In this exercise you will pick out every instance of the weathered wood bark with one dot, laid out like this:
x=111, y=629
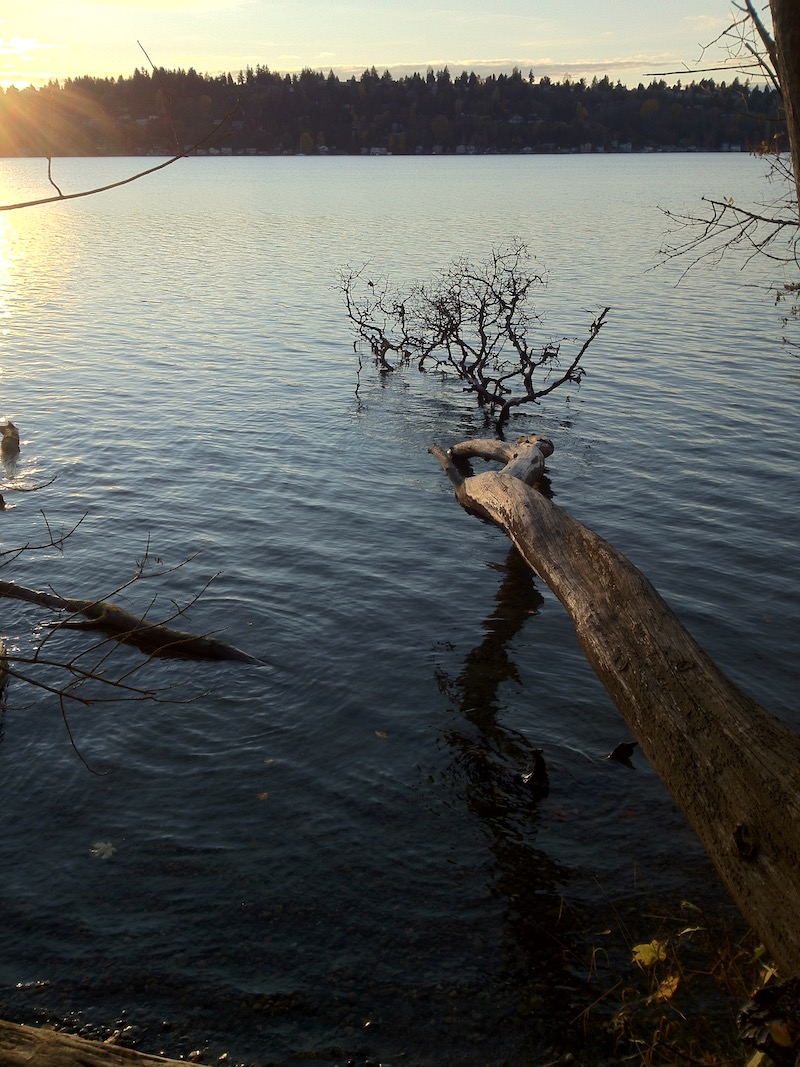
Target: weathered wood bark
x=733, y=768
x=786, y=29
x=26, y=1046
x=155, y=639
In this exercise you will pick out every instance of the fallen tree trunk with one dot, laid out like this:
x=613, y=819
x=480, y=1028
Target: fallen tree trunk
x=732, y=767
x=23, y=1046
x=155, y=639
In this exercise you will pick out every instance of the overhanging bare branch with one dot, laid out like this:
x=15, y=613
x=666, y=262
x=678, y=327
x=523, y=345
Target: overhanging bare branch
x=123, y=181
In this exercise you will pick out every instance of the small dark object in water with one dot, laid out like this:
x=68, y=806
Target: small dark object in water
x=9, y=445
x=535, y=779
x=623, y=752
x=2, y=503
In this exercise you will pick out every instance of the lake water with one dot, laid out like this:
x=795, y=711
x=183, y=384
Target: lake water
x=326, y=857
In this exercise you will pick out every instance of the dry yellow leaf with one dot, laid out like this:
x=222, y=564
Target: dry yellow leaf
x=780, y=1035
x=666, y=990
x=757, y=1059
x=649, y=954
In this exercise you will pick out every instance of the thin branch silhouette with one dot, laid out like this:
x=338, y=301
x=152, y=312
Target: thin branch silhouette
x=131, y=178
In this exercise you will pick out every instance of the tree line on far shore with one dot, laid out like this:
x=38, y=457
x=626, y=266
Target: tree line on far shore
x=163, y=111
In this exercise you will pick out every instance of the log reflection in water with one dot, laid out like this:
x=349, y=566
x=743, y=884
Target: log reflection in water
x=505, y=779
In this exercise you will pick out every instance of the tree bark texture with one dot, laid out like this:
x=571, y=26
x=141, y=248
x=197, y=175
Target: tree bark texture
x=732, y=767
x=27, y=1046
x=786, y=31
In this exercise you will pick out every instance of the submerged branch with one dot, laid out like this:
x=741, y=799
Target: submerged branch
x=155, y=639
x=470, y=322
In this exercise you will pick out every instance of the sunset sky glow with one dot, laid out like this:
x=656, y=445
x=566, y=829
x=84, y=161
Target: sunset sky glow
x=629, y=40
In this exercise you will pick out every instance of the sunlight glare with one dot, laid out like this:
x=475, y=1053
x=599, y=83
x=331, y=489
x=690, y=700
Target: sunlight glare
x=6, y=238
x=15, y=53
x=18, y=46
x=7, y=258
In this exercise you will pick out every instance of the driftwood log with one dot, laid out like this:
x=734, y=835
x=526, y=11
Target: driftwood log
x=27, y=1046
x=732, y=767
x=155, y=639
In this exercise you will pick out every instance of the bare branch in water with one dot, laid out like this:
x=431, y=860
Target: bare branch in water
x=472, y=322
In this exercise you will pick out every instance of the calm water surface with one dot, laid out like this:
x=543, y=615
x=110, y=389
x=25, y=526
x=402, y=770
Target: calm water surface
x=328, y=856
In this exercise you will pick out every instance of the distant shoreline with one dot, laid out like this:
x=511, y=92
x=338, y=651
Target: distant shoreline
x=379, y=153
x=263, y=113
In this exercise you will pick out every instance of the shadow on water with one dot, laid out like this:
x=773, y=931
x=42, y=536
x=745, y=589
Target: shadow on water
x=505, y=780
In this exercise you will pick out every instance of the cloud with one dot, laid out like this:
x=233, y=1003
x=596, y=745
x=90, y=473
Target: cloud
x=21, y=46
x=167, y=7
x=706, y=24
x=633, y=68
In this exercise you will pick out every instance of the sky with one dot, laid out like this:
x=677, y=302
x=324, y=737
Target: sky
x=628, y=40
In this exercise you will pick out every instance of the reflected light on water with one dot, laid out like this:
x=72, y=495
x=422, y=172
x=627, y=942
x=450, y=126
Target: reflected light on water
x=37, y=247
x=7, y=261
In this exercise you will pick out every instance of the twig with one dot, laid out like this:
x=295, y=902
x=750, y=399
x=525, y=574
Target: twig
x=131, y=178
x=167, y=97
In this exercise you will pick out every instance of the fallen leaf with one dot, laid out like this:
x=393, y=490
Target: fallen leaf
x=103, y=850
x=768, y=972
x=381, y=735
x=666, y=990
x=650, y=954
x=263, y=796
x=780, y=1034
